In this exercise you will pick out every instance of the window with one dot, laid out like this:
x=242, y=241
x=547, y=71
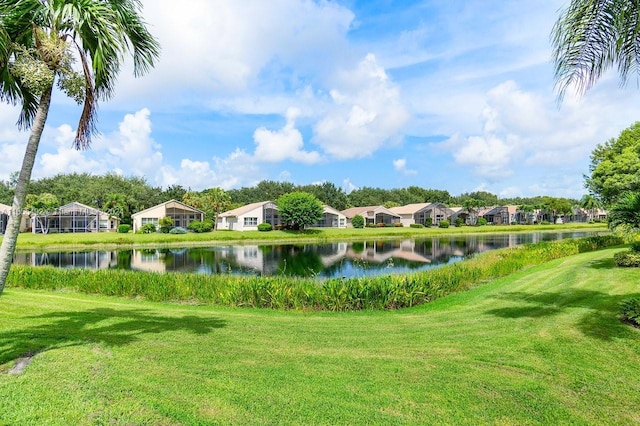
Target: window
x=250, y=221
x=146, y=220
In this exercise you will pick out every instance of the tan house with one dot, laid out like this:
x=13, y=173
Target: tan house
x=331, y=218
x=501, y=215
x=247, y=218
x=74, y=217
x=181, y=214
x=372, y=215
x=419, y=213
x=5, y=212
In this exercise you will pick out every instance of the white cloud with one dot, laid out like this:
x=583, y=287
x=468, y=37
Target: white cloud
x=132, y=146
x=367, y=113
x=348, y=186
x=223, y=46
x=283, y=144
x=12, y=141
x=66, y=158
x=401, y=167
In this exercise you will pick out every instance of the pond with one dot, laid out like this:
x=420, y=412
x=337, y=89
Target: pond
x=338, y=259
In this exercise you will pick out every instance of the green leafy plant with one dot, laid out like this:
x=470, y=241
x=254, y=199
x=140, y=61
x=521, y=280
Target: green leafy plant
x=357, y=221
x=165, y=223
x=627, y=258
x=416, y=225
x=199, y=227
x=459, y=222
x=265, y=227
x=481, y=221
x=630, y=309
x=147, y=228
x=428, y=222
x=124, y=229
x=444, y=224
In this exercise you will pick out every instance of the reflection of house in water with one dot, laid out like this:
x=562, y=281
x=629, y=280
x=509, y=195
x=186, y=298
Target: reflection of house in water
x=75, y=259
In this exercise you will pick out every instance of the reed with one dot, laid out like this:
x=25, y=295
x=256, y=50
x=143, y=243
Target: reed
x=284, y=293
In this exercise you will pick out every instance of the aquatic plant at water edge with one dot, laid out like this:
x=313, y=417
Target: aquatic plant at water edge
x=280, y=292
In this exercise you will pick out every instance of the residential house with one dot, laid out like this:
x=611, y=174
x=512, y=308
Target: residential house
x=584, y=215
x=331, y=218
x=501, y=215
x=74, y=217
x=419, y=213
x=181, y=214
x=5, y=212
x=468, y=216
x=372, y=215
x=247, y=218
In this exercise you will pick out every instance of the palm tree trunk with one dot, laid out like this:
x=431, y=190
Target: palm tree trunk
x=13, y=227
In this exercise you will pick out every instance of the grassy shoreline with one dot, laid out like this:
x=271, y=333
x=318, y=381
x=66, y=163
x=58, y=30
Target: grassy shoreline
x=391, y=291
x=28, y=241
x=541, y=346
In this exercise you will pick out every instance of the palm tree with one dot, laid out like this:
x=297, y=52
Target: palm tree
x=626, y=211
x=590, y=204
x=39, y=40
x=590, y=36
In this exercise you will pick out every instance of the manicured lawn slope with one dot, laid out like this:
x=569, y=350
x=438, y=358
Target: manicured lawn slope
x=543, y=346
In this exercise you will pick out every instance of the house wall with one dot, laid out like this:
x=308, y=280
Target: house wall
x=407, y=219
x=153, y=214
x=250, y=220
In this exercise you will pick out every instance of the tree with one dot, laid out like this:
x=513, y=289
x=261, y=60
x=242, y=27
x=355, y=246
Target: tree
x=173, y=192
x=36, y=42
x=328, y=193
x=557, y=207
x=40, y=206
x=357, y=221
x=300, y=209
x=626, y=211
x=211, y=201
x=591, y=36
x=590, y=204
x=615, y=166
x=472, y=205
x=527, y=210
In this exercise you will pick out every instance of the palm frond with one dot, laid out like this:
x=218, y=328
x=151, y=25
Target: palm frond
x=590, y=37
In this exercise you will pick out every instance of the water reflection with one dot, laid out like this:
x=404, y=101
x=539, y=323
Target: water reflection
x=343, y=259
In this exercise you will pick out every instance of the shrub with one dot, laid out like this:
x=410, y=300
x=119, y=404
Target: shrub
x=635, y=247
x=459, y=222
x=357, y=221
x=381, y=224
x=147, y=228
x=265, y=227
x=631, y=310
x=444, y=224
x=481, y=221
x=428, y=221
x=178, y=230
x=200, y=226
x=627, y=258
x=165, y=224
x=416, y=225
x=123, y=229
x=398, y=224
x=545, y=222
x=371, y=225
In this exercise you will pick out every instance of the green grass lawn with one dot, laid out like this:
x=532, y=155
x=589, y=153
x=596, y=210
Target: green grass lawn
x=53, y=241
x=543, y=346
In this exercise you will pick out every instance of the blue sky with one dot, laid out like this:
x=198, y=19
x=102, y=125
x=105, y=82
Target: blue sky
x=454, y=95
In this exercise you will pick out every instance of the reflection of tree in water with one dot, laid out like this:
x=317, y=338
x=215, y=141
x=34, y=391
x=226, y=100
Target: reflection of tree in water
x=123, y=259
x=301, y=261
x=326, y=260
